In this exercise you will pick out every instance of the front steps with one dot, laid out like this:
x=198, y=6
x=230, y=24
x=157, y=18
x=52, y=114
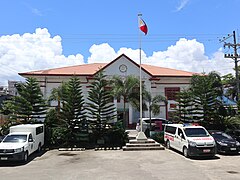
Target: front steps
x=142, y=145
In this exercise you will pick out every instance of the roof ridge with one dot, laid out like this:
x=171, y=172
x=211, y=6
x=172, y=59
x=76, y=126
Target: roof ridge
x=93, y=68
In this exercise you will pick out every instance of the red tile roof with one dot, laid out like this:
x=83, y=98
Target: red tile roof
x=91, y=69
x=80, y=70
x=162, y=71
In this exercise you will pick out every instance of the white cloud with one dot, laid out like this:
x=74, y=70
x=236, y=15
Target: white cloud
x=101, y=53
x=27, y=52
x=133, y=54
x=181, y=5
x=105, y=53
x=188, y=55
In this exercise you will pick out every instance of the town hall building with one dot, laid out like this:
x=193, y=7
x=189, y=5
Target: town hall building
x=157, y=80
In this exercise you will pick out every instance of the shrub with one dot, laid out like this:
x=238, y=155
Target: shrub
x=158, y=136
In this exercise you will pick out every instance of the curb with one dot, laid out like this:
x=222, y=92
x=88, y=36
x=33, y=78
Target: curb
x=107, y=148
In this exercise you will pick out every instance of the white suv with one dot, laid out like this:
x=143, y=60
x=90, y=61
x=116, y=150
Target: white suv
x=156, y=123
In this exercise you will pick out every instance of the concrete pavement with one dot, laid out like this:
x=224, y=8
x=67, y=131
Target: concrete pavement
x=122, y=165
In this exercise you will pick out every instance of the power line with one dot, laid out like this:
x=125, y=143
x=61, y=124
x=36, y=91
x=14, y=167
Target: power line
x=235, y=56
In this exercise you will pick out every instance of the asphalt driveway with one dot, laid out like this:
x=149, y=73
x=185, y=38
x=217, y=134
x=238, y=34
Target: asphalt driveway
x=118, y=164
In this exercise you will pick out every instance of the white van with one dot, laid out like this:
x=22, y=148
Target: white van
x=22, y=141
x=189, y=139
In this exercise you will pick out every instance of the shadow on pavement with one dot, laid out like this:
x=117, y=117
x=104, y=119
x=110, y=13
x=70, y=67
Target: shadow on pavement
x=197, y=157
x=229, y=154
x=21, y=163
x=205, y=158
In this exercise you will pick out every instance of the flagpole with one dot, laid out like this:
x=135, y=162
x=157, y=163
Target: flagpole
x=140, y=71
x=141, y=135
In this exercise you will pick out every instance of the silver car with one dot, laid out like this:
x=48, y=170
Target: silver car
x=156, y=123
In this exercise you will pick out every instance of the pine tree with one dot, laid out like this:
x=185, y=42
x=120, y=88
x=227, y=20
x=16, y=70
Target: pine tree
x=72, y=113
x=206, y=89
x=185, y=106
x=29, y=106
x=101, y=110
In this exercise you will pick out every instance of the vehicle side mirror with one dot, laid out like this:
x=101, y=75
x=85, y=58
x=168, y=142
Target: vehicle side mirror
x=30, y=140
x=181, y=135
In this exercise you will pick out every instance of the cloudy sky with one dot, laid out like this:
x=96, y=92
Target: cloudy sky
x=183, y=34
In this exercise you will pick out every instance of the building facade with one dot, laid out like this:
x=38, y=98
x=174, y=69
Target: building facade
x=157, y=80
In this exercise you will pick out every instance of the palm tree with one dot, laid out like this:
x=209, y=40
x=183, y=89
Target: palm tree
x=153, y=104
x=57, y=95
x=125, y=88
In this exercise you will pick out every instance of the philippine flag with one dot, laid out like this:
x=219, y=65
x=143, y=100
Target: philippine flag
x=143, y=26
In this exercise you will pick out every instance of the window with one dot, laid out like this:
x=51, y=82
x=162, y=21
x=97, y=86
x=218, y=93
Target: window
x=39, y=130
x=15, y=139
x=170, y=129
x=195, y=132
x=180, y=133
x=171, y=92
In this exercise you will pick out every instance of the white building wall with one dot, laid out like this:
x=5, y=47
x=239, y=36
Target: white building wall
x=132, y=69
x=156, y=87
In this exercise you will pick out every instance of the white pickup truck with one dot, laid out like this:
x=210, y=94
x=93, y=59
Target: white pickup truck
x=22, y=141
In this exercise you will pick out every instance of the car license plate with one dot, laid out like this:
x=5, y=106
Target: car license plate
x=4, y=158
x=233, y=149
x=206, y=150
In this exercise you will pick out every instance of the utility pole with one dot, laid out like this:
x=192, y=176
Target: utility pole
x=235, y=56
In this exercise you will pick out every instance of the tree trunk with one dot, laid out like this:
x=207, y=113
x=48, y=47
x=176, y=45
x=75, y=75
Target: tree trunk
x=150, y=119
x=124, y=113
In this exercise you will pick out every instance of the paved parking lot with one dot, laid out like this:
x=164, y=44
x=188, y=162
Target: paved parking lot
x=118, y=164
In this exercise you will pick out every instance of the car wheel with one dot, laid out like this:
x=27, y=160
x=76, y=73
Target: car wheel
x=39, y=148
x=25, y=157
x=168, y=144
x=185, y=152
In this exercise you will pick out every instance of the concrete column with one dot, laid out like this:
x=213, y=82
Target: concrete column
x=115, y=104
x=130, y=111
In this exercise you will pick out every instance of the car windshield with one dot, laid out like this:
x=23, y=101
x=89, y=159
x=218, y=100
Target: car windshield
x=195, y=132
x=15, y=139
x=221, y=136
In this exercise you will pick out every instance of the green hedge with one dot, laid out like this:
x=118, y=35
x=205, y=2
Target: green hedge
x=158, y=136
